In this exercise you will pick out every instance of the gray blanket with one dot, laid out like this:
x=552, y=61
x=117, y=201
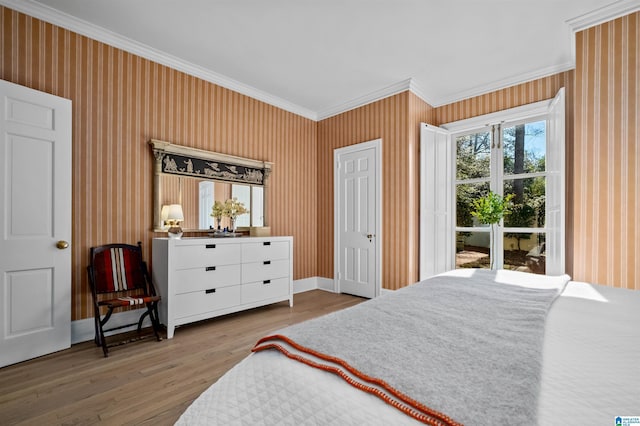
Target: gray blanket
x=468, y=347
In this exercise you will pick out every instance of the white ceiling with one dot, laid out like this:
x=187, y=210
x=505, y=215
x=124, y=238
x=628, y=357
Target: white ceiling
x=321, y=57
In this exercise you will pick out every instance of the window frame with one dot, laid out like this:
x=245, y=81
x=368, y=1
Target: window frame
x=438, y=183
x=497, y=176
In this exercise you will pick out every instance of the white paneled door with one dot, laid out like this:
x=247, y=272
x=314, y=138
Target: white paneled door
x=357, y=219
x=35, y=223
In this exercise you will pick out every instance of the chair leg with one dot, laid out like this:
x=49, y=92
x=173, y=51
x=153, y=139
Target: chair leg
x=142, y=317
x=152, y=310
x=99, y=333
x=156, y=322
x=105, y=349
x=99, y=338
x=96, y=337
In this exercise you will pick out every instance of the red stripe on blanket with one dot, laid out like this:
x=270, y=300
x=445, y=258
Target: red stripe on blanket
x=412, y=408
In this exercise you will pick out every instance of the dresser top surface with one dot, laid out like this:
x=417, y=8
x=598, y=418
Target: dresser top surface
x=218, y=240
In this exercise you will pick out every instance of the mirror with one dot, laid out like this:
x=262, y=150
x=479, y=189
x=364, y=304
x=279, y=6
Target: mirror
x=195, y=179
x=198, y=195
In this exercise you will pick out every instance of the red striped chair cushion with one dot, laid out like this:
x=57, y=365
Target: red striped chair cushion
x=118, y=269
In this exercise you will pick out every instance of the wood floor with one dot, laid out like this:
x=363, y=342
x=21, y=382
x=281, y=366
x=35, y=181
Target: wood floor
x=146, y=382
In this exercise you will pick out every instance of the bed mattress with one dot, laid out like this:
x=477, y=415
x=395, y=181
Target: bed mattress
x=590, y=375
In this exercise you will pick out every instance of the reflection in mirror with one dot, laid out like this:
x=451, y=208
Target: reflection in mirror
x=196, y=179
x=249, y=196
x=206, y=199
x=197, y=197
x=243, y=194
x=257, y=214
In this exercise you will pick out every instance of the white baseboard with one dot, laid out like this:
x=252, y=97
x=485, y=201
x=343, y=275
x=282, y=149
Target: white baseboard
x=326, y=284
x=305, y=284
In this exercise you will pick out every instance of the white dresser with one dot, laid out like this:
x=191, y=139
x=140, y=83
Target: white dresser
x=200, y=278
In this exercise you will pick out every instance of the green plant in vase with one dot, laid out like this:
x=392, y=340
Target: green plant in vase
x=490, y=210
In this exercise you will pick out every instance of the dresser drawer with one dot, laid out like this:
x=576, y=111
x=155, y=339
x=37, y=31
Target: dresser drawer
x=260, y=251
x=257, y=291
x=267, y=270
x=200, y=302
x=188, y=280
x=193, y=256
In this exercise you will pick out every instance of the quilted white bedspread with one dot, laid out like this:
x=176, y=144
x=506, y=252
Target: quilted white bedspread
x=591, y=374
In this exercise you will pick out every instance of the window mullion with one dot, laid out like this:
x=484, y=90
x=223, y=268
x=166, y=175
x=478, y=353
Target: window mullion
x=497, y=167
x=497, y=170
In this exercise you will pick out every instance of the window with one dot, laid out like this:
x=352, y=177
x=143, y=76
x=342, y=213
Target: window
x=518, y=151
x=509, y=158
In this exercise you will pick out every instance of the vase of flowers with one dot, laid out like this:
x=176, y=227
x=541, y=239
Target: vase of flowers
x=232, y=209
x=490, y=210
x=217, y=211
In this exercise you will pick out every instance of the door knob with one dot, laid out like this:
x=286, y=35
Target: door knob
x=62, y=245
x=369, y=236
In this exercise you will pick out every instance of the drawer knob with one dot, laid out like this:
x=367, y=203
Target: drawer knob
x=210, y=290
x=266, y=262
x=266, y=243
x=210, y=246
x=266, y=282
x=210, y=268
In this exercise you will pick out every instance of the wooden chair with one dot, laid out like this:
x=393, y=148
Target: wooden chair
x=118, y=277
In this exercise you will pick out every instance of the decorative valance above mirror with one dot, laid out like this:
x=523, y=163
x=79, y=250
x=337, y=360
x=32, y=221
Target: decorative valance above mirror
x=196, y=178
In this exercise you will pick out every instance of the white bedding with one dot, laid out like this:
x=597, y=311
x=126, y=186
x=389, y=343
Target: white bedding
x=591, y=374
x=591, y=357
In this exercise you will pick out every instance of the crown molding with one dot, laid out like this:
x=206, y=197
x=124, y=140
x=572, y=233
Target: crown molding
x=579, y=23
x=416, y=89
x=595, y=17
x=503, y=84
x=603, y=14
x=385, y=92
x=64, y=20
x=56, y=17
x=598, y=16
x=409, y=84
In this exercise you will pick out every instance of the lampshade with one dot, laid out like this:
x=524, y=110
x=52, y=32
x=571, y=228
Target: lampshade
x=164, y=214
x=174, y=212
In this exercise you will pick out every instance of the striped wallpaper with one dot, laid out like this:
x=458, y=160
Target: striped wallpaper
x=391, y=120
x=606, y=239
x=510, y=97
x=383, y=119
x=120, y=101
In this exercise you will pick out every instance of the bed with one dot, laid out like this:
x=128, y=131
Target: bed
x=467, y=347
